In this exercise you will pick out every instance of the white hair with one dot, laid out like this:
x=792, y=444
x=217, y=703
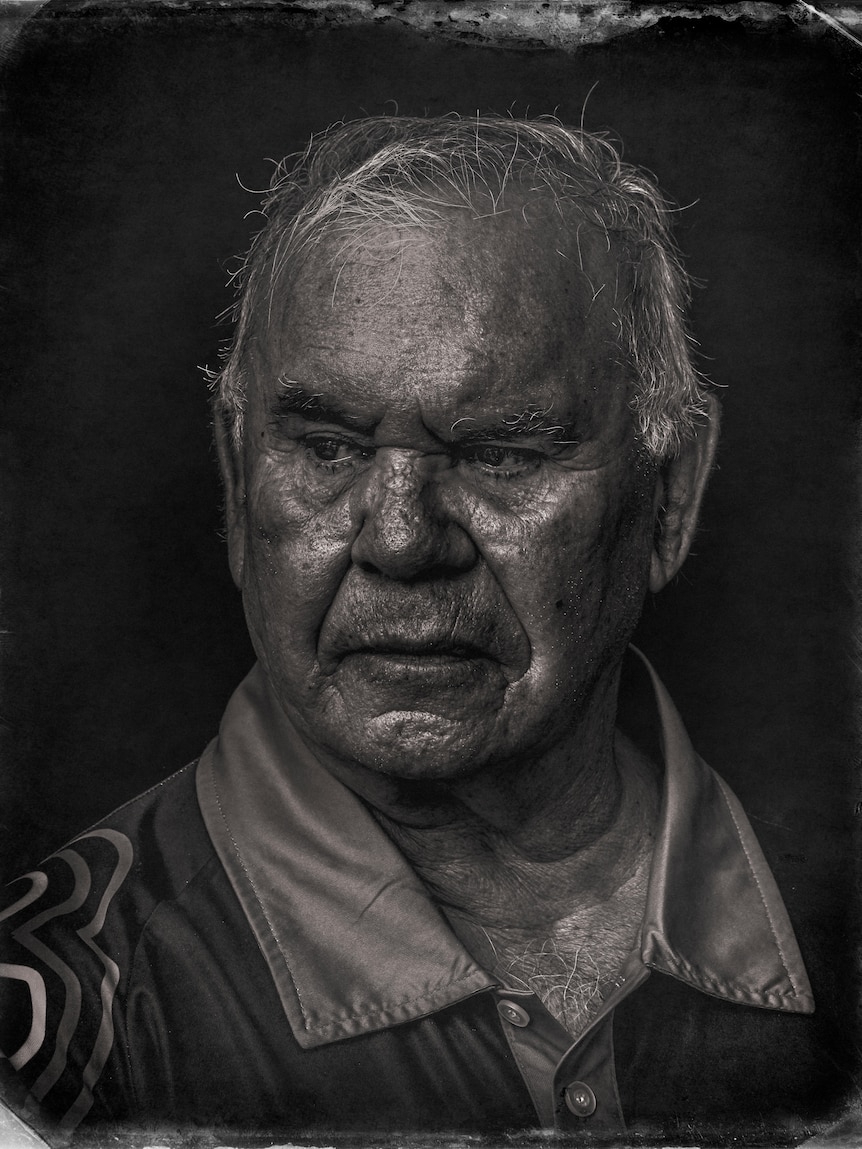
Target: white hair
x=413, y=172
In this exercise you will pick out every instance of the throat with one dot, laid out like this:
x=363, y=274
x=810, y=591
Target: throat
x=554, y=904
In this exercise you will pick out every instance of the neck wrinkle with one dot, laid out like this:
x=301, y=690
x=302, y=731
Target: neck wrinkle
x=478, y=871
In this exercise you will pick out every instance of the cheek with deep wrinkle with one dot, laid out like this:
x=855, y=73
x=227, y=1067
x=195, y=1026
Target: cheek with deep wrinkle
x=298, y=547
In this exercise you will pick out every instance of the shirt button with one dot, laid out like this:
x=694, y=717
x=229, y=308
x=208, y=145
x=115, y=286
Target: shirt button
x=513, y=1013
x=580, y=1099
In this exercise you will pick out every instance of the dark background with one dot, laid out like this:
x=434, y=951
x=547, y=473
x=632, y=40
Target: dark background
x=124, y=134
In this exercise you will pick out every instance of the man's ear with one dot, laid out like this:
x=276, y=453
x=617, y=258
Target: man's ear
x=233, y=477
x=681, y=483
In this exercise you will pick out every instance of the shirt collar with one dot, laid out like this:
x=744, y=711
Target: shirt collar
x=354, y=943
x=714, y=916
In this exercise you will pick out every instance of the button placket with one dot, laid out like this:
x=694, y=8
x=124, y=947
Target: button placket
x=537, y=1043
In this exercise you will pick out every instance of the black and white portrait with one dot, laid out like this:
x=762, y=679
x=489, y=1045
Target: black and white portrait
x=430, y=492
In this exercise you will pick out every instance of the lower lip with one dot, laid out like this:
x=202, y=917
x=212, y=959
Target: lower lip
x=437, y=669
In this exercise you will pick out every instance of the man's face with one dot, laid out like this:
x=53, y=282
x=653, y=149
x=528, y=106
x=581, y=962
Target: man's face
x=445, y=540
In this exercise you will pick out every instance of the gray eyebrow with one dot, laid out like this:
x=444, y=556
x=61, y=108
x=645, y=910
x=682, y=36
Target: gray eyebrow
x=293, y=398
x=533, y=420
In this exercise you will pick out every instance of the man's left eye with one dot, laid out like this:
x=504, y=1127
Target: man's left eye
x=500, y=460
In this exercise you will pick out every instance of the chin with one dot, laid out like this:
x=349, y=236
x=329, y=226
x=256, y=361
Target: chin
x=416, y=745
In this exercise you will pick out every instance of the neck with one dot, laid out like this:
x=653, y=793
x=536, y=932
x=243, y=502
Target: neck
x=574, y=851
x=523, y=845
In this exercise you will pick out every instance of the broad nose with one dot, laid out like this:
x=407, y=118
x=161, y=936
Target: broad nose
x=406, y=533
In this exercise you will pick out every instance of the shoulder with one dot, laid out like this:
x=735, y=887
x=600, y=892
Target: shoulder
x=143, y=852
x=69, y=930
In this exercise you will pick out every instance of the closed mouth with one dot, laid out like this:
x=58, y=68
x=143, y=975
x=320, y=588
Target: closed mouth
x=427, y=651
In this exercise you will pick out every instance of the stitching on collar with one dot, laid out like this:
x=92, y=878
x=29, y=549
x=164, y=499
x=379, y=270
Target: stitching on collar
x=720, y=987
x=325, y=1026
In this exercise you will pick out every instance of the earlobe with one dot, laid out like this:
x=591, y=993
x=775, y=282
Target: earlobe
x=680, y=489
x=232, y=474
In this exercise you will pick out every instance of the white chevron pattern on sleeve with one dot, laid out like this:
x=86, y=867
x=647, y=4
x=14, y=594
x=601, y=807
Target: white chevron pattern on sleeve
x=27, y=935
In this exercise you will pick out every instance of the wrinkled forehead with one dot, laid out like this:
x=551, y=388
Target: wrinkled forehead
x=527, y=266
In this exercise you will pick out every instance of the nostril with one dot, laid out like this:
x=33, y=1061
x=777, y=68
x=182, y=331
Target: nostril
x=399, y=545
x=365, y=565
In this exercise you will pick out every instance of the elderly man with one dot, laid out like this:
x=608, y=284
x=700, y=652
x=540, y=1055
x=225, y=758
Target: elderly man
x=423, y=879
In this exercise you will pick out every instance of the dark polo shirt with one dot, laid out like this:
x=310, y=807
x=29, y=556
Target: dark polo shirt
x=242, y=946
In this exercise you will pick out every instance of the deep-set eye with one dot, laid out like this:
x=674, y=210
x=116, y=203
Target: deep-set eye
x=497, y=459
x=329, y=450
x=333, y=449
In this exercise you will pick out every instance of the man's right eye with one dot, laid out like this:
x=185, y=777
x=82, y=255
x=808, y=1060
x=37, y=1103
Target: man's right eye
x=334, y=450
